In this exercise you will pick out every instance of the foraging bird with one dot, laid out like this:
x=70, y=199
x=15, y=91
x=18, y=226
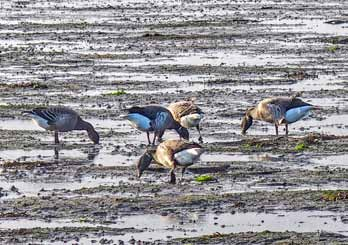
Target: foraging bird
x=170, y=154
x=277, y=110
x=187, y=114
x=61, y=119
x=154, y=119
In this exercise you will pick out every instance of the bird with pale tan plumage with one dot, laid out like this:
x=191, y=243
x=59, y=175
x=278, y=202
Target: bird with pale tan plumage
x=278, y=111
x=188, y=114
x=170, y=154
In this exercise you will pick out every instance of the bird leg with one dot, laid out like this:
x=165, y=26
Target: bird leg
x=200, y=139
x=56, y=153
x=183, y=171
x=56, y=139
x=154, y=138
x=276, y=129
x=172, y=176
x=160, y=135
x=148, y=137
x=286, y=129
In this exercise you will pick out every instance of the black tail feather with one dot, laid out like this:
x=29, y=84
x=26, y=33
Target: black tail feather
x=296, y=102
x=135, y=109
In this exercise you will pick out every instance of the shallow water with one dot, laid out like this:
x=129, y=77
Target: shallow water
x=339, y=160
x=197, y=225
x=316, y=26
x=171, y=226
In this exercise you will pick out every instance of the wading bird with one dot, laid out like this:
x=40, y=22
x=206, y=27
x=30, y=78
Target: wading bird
x=277, y=110
x=154, y=119
x=61, y=119
x=170, y=154
x=187, y=114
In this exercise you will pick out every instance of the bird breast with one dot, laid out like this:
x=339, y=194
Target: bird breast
x=191, y=120
x=139, y=121
x=296, y=114
x=188, y=156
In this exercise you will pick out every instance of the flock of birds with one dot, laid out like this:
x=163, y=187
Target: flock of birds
x=179, y=116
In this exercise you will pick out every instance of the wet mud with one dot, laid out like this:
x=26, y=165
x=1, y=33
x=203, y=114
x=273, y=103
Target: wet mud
x=100, y=57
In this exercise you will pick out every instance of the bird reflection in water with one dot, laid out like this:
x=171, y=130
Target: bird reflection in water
x=92, y=151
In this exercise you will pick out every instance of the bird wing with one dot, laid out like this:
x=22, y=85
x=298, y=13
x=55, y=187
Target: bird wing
x=288, y=103
x=46, y=114
x=61, y=118
x=279, y=106
x=296, y=102
x=180, y=145
x=183, y=108
x=147, y=111
x=162, y=121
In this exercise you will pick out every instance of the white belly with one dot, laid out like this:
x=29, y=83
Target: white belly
x=189, y=156
x=191, y=120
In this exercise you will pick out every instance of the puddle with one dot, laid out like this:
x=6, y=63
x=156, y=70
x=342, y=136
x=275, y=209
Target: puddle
x=236, y=157
x=331, y=161
x=30, y=188
x=29, y=224
x=150, y=77
x=333, y=124
x=164, y=227
x=198, y=225
x=17, y=124
x=104, y=158
x=114, y=160
x=215, y=59
x=39, y=154
x=317, y=26
x=201, y=85
x=110, y=124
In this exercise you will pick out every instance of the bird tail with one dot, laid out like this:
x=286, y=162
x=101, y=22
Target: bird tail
x=135, y=109
x=315, y=107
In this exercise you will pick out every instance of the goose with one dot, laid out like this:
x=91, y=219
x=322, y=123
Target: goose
x=155, y=119
x=170, y=154
x=187, y=114
x=277, y=110
x=61, y=119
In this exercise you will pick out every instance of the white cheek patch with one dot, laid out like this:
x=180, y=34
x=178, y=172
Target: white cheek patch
x=189, y=156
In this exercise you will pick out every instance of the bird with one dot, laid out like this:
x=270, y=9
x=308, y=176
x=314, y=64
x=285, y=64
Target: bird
x=188, y=114
x=277, y=110
x=153, y=118
x=170, y=154
x=61, y=119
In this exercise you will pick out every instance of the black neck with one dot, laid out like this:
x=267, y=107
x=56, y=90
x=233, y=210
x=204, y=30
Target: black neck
x=83, y=125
